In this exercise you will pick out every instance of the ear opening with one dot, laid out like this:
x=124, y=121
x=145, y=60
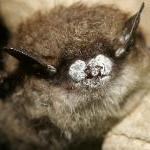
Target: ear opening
x=30, y=61
x=129, y=32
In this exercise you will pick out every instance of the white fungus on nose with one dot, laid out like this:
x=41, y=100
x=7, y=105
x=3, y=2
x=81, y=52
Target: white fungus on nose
x=99, y=67
x=102, y=63
x=77, y=70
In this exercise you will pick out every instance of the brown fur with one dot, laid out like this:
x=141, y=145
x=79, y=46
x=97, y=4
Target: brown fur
x=52, y=113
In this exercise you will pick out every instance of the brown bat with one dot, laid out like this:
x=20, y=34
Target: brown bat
x=78, y=70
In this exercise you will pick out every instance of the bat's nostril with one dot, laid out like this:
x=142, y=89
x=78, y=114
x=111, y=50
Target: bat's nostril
x=89, y=76
x=93, y=72
x=99, y=74
x=88, y=73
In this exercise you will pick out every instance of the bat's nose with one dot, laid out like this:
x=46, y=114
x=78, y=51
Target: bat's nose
x=93, y=72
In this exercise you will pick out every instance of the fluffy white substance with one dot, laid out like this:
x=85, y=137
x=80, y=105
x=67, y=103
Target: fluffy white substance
x=100, y=63
x=77, y=70
x=98, y=67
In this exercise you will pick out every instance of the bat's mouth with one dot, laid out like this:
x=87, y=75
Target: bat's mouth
x=94, y=82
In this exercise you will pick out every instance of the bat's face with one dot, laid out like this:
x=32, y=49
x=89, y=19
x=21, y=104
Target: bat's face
x=87, y=50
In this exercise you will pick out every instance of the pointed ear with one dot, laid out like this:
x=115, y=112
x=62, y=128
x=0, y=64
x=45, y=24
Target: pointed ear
x=129, y=32
x=30, y=60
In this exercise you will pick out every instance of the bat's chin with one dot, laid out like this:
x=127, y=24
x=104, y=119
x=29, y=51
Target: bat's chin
x=79, y=97
x=69, y=109
x=77, y=109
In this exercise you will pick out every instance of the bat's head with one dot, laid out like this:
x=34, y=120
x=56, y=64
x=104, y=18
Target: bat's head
x=85, y=55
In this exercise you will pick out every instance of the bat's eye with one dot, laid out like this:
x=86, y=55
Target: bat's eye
x=93, y=72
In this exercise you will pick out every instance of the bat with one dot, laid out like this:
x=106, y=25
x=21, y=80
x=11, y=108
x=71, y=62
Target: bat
x=76, y=72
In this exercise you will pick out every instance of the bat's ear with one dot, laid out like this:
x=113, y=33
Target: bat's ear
x=30, y=61
x=129, y=31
